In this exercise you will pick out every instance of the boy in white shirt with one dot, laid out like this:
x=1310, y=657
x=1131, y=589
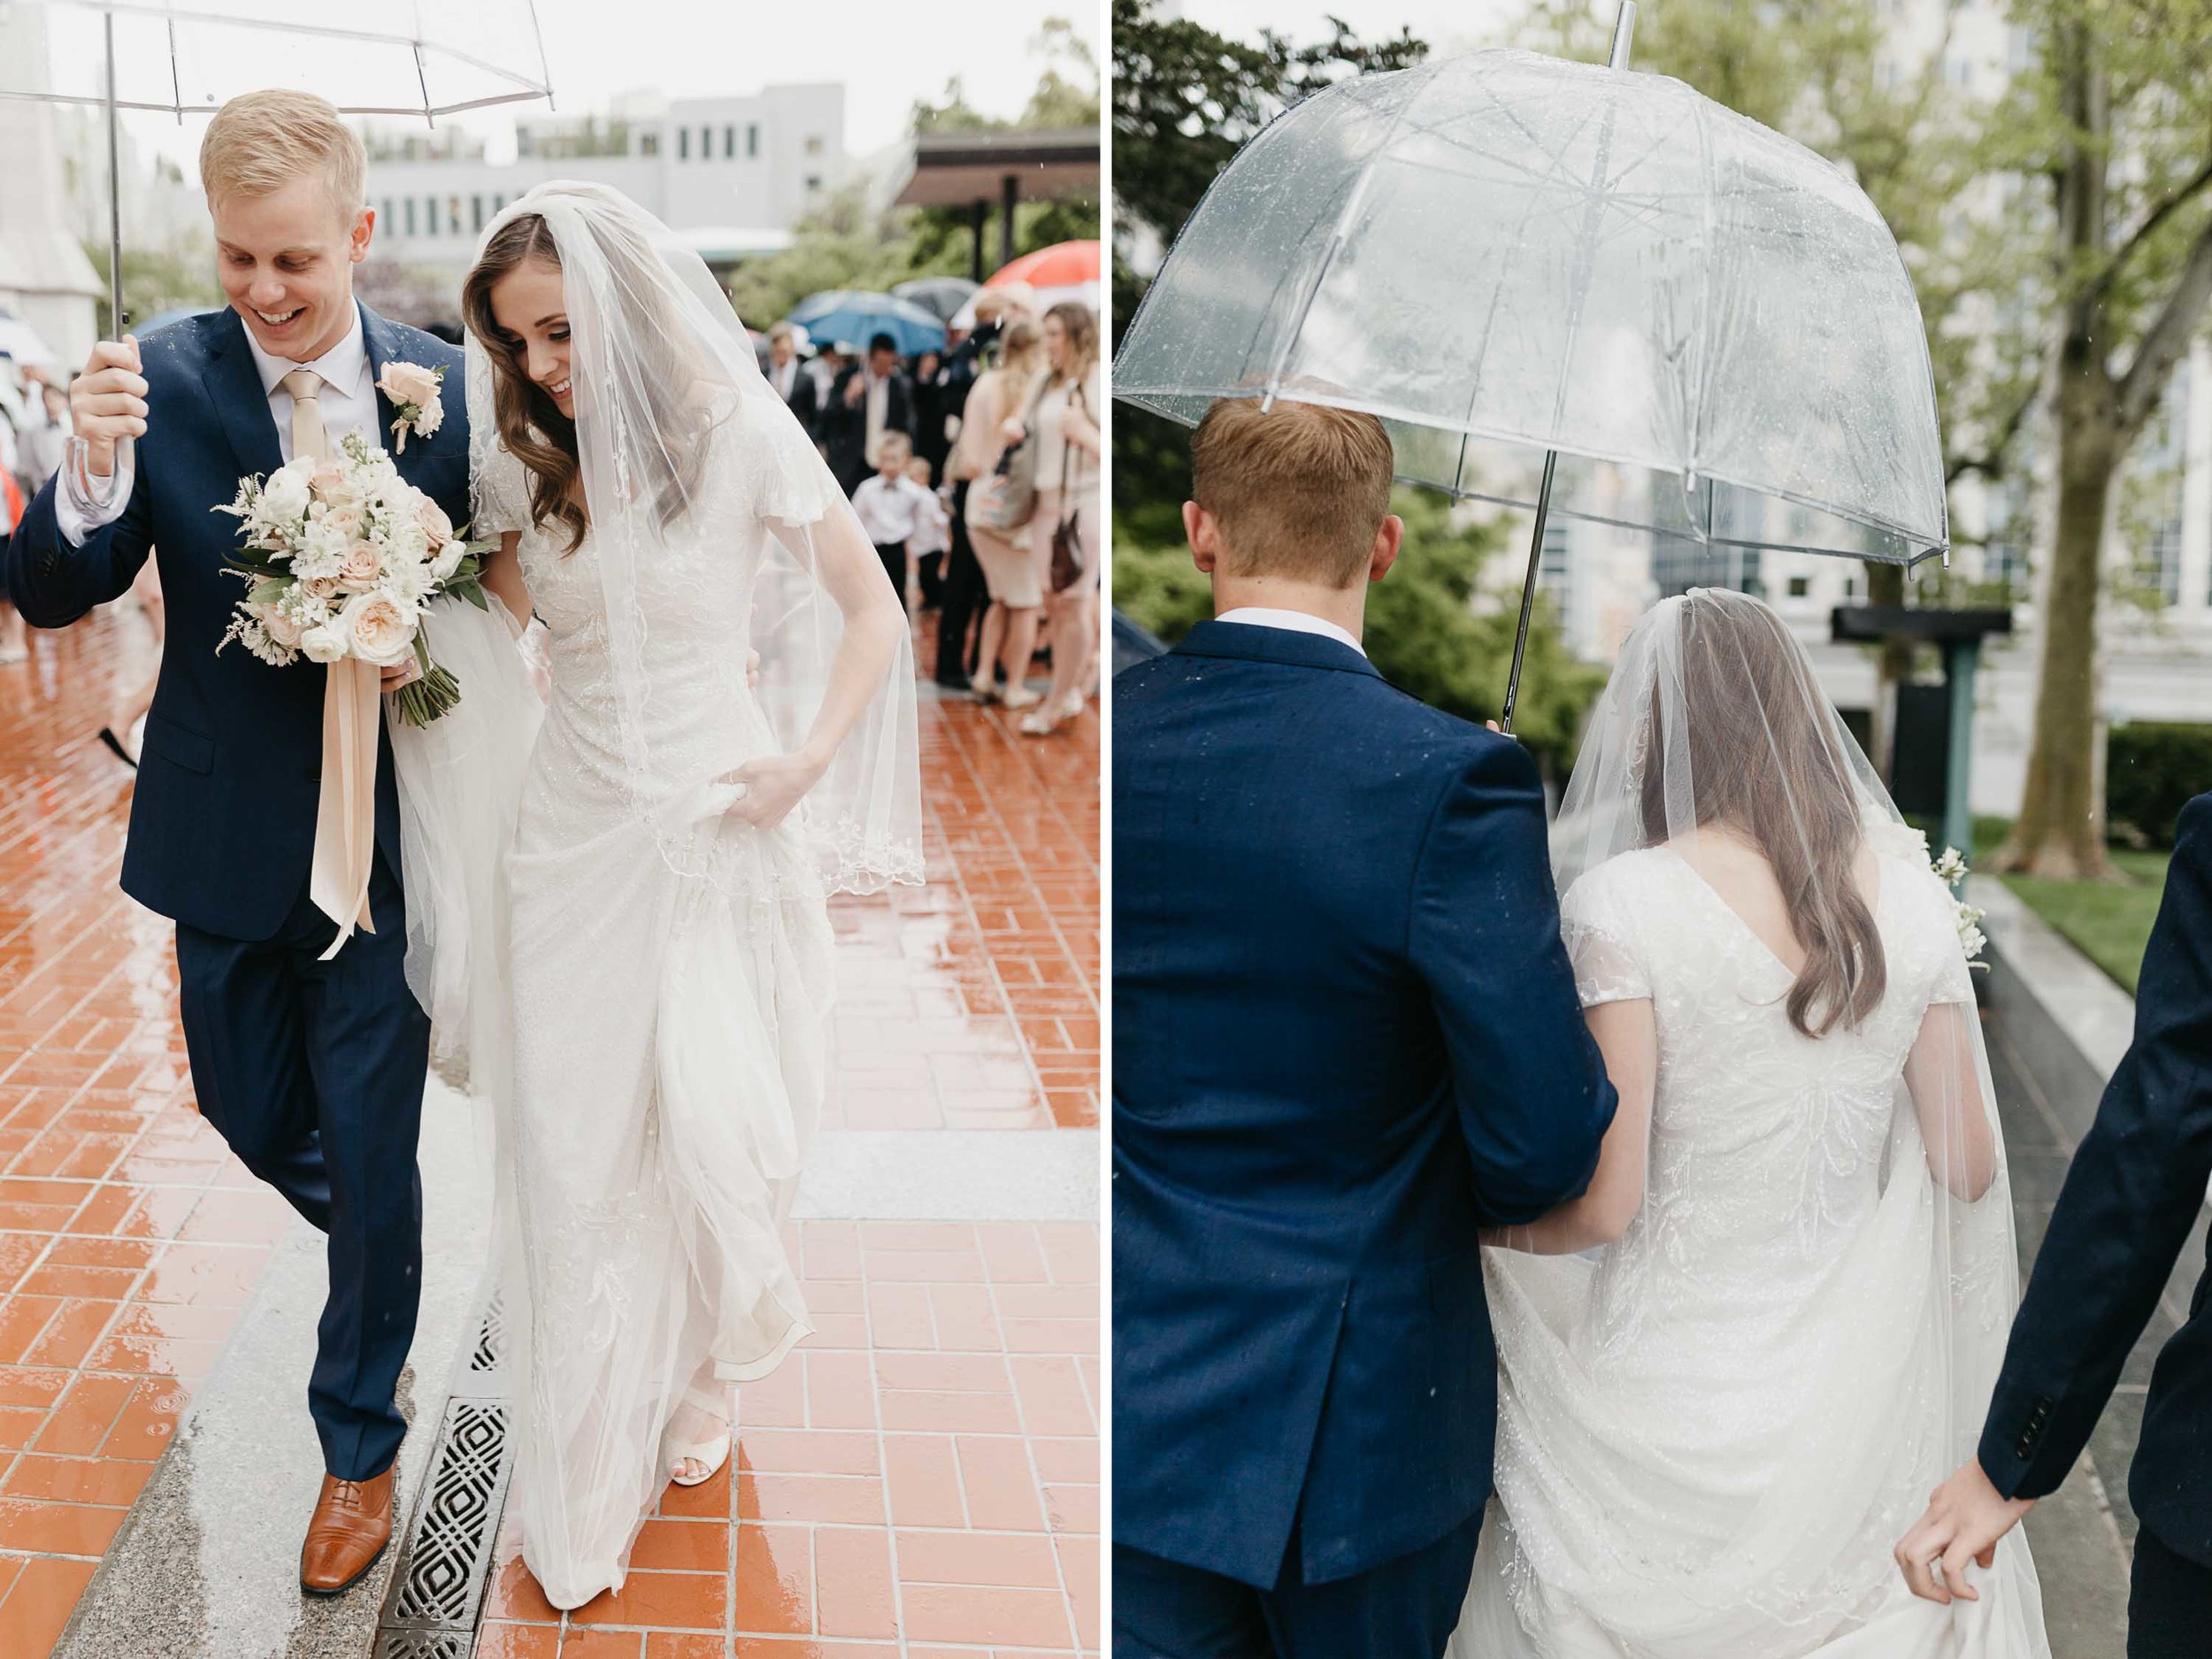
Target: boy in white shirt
x=892, y=507
x=932, y=536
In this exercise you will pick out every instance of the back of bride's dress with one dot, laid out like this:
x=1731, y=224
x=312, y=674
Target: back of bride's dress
x=1712, y=1433
x=670, y=1014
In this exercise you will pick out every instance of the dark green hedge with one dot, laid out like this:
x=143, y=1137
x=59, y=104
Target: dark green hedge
x=2152, y=769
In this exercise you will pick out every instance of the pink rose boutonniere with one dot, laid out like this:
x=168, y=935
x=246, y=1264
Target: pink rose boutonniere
x=413, y=390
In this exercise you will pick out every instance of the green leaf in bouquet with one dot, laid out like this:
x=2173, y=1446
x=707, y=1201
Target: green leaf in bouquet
x=268, y=591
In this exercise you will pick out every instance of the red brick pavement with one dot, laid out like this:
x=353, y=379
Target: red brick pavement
x=930, y=1459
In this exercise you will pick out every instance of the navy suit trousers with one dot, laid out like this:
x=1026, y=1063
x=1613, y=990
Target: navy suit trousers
x=313, y=1072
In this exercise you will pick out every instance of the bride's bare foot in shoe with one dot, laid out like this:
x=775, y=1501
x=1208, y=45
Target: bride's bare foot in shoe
x=696, y=1443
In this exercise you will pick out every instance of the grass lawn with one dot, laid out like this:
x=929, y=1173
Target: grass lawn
x=2109, y=922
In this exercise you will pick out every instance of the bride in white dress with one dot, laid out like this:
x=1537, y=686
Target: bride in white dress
x=1731, y=1373
x=621, y=916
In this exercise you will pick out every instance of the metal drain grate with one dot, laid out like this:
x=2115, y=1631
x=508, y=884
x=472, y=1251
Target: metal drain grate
x=437, y=1589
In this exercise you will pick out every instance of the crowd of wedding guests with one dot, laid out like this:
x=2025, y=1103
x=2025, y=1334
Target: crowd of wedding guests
x=975, y=472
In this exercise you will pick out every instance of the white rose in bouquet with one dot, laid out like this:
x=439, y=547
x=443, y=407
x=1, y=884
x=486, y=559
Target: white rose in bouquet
x=284, y=498
x=383, y=630
x=326, y=641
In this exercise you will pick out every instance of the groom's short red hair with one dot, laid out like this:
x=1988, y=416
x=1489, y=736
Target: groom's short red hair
x=260, y=141
x=1298, y=491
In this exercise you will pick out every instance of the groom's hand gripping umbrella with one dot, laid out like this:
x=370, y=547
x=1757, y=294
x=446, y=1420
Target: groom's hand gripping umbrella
x=1564, y=287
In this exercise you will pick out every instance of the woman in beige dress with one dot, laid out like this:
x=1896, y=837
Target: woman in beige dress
x=1061, y=420
x=1010, y=627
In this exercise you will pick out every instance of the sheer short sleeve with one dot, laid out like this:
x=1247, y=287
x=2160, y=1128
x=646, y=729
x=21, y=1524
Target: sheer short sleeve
x=1954, y=978
x=1594, y=919
x=499, y=491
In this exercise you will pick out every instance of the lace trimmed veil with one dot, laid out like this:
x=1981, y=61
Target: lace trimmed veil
x=1713, y=728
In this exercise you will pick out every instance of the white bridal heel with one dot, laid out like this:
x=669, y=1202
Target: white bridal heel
x=713, y=1453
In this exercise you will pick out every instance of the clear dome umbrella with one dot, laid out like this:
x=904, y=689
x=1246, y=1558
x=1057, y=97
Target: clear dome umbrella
x=1565, y=287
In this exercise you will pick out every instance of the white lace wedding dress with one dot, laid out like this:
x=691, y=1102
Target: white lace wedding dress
x=635, y=980
x=671, y=1046
x=1712, y=1433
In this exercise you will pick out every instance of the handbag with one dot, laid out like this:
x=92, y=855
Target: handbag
x=1067, y=546
x=1007, y=499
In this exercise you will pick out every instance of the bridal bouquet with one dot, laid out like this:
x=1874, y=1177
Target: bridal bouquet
x=342, y=557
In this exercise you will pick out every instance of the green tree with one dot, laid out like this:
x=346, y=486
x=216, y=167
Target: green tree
x=2115, y=117
x=156, y=279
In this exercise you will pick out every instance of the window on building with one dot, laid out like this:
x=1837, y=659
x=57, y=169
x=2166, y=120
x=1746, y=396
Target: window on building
x=476, y=214
x=1850, y=590
x=729, y=143
x=648, y=143
x=814, y=143
x=1800, y=586
x=814, y=182
x=453, y=215
x=683, y=143
x=411, y=216
x=706, y=144
x=752, y=140
x=430, y=216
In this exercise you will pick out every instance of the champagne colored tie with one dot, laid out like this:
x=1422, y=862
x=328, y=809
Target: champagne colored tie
x=345, y=806
x=309, y=435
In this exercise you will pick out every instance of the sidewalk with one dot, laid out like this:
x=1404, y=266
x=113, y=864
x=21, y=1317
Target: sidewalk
x=921, y=1479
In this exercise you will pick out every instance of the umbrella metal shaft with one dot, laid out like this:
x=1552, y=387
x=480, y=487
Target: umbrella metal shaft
x=1624, y=33
x=115, y=196
x=1528, y=591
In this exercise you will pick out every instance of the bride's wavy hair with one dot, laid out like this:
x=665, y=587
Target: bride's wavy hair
x=531, y=424
x=1764, y=758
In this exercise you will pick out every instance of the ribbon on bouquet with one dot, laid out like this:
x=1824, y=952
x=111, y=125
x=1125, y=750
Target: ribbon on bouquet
x=345, y=808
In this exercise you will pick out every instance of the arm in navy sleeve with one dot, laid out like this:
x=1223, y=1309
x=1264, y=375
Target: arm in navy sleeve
x=53, y=583
x=2130, y=1196
x=1533, y=1097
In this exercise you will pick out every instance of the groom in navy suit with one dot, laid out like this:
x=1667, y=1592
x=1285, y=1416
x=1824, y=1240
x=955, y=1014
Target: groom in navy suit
x=2131, y=1195
x=312, y=1070
x=1345, y=1040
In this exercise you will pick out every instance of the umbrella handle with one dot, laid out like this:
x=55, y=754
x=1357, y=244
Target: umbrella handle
x=1528, y=592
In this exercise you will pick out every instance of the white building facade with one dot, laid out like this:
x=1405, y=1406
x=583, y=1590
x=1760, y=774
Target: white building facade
x=730, y=170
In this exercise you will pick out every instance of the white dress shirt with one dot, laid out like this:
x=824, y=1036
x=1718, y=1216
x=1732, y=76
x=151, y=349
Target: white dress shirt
x=348, y=404
x=1297, y=621
x=890, y=510
x=783, y=377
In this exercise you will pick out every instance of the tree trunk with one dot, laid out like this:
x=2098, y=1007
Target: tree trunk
x=2059, y=831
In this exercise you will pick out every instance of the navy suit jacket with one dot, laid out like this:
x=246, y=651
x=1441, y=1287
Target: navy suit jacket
x=1346, y=1037
x=223, y=823
x=2130, y=1196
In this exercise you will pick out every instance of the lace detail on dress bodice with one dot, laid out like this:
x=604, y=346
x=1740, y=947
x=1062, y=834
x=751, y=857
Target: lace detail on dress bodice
x=1762, y=1139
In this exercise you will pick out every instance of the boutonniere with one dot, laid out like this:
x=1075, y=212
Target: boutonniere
x=413, y=390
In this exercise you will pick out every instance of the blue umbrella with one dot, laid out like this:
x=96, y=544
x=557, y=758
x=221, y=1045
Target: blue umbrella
x=851, y=315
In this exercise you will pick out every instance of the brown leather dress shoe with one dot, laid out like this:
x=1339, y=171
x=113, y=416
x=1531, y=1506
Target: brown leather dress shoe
x=352, y=1524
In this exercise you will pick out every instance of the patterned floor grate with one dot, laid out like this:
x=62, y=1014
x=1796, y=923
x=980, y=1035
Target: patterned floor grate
x=437, y=1590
